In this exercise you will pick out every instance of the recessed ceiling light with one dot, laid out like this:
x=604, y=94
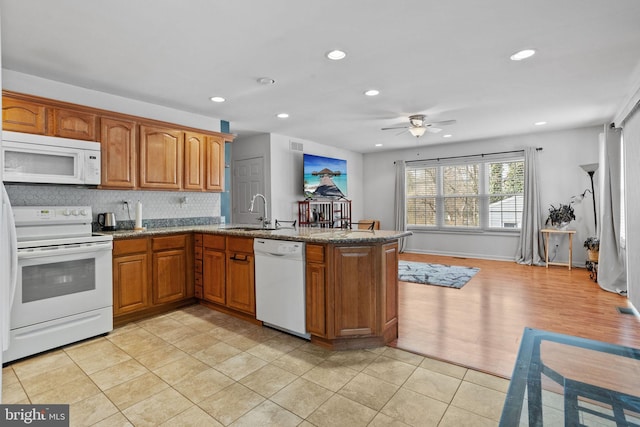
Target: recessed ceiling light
x=523, y=54
x=336, y=55
x=217, y=99
x=378, y=145
x=372, y=92
x=448, y=135
x=266, y=81
x=540, y=123
x=282, y=115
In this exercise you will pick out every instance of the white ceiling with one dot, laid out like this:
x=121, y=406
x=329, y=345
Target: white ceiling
x=446, y=59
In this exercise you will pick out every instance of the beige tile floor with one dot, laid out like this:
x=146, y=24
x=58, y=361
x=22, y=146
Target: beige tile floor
x=198, y=367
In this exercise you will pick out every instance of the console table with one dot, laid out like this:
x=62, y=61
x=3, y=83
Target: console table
x=547, y=232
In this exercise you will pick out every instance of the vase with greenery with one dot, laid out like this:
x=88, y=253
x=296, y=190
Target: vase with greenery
x=560, y=216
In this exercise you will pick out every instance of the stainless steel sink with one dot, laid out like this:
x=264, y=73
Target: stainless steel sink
x=249, y=228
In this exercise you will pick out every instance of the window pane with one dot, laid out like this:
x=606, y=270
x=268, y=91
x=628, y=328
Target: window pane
x=506, y=194
x=460, y=180
x=421, y=211
x=421, y=182
x=462, y=212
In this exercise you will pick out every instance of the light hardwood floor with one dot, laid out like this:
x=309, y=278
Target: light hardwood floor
x=480, y=325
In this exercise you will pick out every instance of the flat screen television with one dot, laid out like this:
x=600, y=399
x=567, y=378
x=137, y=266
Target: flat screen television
x=324, y=177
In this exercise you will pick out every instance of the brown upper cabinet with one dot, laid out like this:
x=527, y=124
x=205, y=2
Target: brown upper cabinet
x=160, y=158
x=20, y=115
x=136, y=152
x=194, y=152
x=23, y=116
x=203, y=162
x=73, y=124
x=118, y=146
x=215, y=163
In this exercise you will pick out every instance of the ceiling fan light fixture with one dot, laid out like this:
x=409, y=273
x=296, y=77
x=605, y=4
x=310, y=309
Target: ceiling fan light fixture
x=372, y=92
x=417, y=120
x=417, y=131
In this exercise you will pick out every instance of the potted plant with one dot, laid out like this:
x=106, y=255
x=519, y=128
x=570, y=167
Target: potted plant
x=593, y=248
x=560, y=216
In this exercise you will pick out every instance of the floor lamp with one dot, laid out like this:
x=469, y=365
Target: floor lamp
x=591, y=169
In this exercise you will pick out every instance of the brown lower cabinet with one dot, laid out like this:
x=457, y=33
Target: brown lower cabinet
x=151, y=275
x=352, y=294
x=228, y=273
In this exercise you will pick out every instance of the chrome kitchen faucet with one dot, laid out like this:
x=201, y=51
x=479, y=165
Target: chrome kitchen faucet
x=264, y=219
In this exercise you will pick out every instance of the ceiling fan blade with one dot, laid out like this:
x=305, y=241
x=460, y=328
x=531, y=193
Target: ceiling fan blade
x=396, y=127
x=442, y=123
x=404, y=131
x=433, y=130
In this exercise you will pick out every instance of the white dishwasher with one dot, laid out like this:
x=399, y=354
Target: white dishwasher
x=280, y=286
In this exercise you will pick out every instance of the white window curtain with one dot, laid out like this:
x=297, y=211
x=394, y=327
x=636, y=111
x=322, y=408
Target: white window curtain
x=400, y=217
x=530, y=245
x=631, y=143
x=611, y=270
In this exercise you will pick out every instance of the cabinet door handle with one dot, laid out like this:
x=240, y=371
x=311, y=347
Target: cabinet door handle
x=243, y=258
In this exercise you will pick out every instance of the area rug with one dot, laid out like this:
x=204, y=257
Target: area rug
x=451, y=276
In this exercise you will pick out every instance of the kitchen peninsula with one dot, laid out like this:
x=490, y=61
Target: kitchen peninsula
x=351, y=277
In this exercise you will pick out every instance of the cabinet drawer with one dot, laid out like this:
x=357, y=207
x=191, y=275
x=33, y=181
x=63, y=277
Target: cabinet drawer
x=198, y=292
x=197, y=253
x=240, y=244
x=198, y=280
x=197, y=238
x=129, y=246
x=168, y=242
x=213, y=241
x=315, y=253
x=198, y=266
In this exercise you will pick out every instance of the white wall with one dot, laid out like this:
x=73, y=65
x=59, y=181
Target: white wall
x=287, y=181
x=284, y=173
x=559, y=174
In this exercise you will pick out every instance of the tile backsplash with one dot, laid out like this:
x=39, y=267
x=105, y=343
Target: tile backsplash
x=155, y=204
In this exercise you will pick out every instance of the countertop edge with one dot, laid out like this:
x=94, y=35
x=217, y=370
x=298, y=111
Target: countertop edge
x=304, y=234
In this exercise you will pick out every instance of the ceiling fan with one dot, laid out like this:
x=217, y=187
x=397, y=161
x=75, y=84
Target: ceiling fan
x=417, y=125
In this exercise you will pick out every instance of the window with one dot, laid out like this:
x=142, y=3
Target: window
x=461, y=190
x=421, y=192
x=487, y=194
x=506, y=194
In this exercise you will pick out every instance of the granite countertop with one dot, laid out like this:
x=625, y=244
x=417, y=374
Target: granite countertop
x=299, y=234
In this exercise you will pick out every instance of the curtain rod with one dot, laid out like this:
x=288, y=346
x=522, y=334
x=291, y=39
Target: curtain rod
x=470, y=155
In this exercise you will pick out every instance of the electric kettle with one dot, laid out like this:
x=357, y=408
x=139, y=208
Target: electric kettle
x=107, y=221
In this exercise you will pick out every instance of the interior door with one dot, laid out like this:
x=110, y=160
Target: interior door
x=248, y=179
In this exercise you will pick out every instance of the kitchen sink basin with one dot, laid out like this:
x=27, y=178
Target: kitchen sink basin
x=249, y=228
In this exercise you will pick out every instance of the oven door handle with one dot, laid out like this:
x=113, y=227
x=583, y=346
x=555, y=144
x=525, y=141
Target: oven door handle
x=82, y=248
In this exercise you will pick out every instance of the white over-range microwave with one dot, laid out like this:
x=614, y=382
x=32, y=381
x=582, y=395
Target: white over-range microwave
x=49, y=160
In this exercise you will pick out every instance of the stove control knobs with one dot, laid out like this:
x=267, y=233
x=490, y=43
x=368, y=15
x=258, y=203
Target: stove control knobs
x=83, y=212
x=66, y=212
x=75, y=212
